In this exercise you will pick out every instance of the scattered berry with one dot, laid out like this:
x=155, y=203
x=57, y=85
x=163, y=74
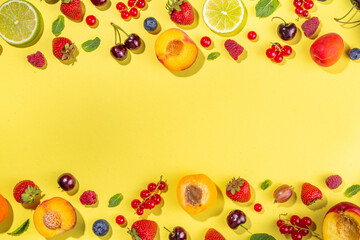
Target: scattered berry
x=295, y=235
x=205, y=42
x=284, y=229
x=180, y=11
x=299, y=10
x=308, y=4
x=297, y=3
x=295, y=220
x=135, y=203
x=25, y=191
x=150, y=24
x=280, y=222
x=270, y=53
x=310, y=26
x=131, y=3
x=62, y=48
x=212, y=234
x=234, y=49
x=37, y=59
x=252, y=35
x=305, y=13
x=134, y=12
x=257, y=207
x=140, y=211
x=121, y=6
x=278, y=58
x=306, y=222
x=88, y=198
x=72, y=9
x=149, y=204
x=354, y=54
x=140, y=4
x=101, y=227
x=144, y=194
x=120, y=220
x=66, y=181
x=91, y=20
x=125, y=14
x=286, y=51
x=310, y=194
x=156, y=198
x=162, y=185
x=151, y=187
x=143, y=229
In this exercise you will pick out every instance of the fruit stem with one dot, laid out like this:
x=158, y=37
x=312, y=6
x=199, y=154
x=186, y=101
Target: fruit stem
x=347, y=22
x=337, y=19
x=312, y=232
x=245, y=228
x=281, y=19
x=116, y=26
x=153, y=193
x=117, y=34
x=168, y=230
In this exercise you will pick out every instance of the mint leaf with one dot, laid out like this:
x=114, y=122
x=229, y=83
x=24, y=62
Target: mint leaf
x=265, y=8
x=265, y=184
x=213, y=56
x=115, y=200
x=58, y=25
x=21, y=229
x=91, y=45
x=351, y=191
x=261, y=236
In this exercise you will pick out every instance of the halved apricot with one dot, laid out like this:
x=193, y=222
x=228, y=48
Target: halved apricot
x=196, y=193
x=3, y=208
x=54, y=217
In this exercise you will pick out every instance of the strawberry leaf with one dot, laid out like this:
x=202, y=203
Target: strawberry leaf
x=115, y=200
x=58, y=25
x=351, y=191
x=177, y=7
x=265, y=184
x=21, y=229
x=265, y=8
x=261, y=236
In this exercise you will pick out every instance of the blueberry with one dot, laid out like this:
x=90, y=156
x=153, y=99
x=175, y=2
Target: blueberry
x=100, y=227
x=354, y=54
x=150, y=24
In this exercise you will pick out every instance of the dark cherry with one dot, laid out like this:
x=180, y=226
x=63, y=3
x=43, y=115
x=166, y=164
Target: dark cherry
x=119, y=52
x=133, y=42
x=98, y=2
x=66, y=181
x=286, y=31
x=236, y=218
x=178, y=233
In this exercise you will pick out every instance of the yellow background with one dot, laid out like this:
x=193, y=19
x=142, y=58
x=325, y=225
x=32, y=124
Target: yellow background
x=117, y=128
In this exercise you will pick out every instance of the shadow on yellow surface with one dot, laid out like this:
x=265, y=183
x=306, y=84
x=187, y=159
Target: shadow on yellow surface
x=193, y=69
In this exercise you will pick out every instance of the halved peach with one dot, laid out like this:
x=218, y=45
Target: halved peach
x=342, y=222
x=175, y=50
x=54, y=217
x=4, y=208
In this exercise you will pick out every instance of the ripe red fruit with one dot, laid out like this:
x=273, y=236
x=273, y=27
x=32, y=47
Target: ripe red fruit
x=143, y=229
x=162, y=185
x=156, y=198
x=140, y=211
x=238, y=190
x=131, y=3
x=333, y=181
x=212, y=234
x=295, y=220
x=252, y=35
x=120, y=220
x=144, y=194
x=234, y=49
x=280, y=222
x=306, y=222
x=25, y=191
x=297, y=3
x=308, y=4
x=149, y=204
x=140, y=4
x=37, y=59
x=72, y=9
x=257, y=207
x=151, y=187
x=134, y=12
x=91, y=20
x=135, y=203
x=88, y=198
x=183, y=17
x=205, y=41
x=310, y=194
x=278, y=58
x=62, y=48
x=305, y=13
x=125, y=14
x=120, y=6
x=286, y=51
x=299, y=10
x=270, y=53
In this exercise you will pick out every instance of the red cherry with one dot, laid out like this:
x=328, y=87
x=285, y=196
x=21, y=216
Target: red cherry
x=205, y=42
x=308, y=4
x=162, y=185
x=131, y=3
x=156, y=198
x=140, y=4
x=252, y=35
x=134, y=12
x=91, y=20
x=139, y=211
x=299, y=11
x=120, y=6
x=280, y=222
x=258, y=207
x=125, y=14
x=278, y=58
x=135, y=203
x=120, y=220
x=151, y=187
x=144, y=194
x=286, y=51
x=305, y=13
x=297, y=3
x=270, y=53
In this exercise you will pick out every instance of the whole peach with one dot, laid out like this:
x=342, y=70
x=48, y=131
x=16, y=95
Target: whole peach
x=327, y=49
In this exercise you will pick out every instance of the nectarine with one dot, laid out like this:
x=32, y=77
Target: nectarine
x=327, y=49
x=175, y=50
x=3, y=208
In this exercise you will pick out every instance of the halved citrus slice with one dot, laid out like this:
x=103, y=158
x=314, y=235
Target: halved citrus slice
x=20, y=22
x=223, y=16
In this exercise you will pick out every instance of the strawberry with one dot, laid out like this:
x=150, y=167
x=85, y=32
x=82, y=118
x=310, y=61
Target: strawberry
x=238, y=190
x=181, y=11
x=25, y=191
x=212, y=234
x=72, y=9
x=310, y=193
x=143, y=230
x=62, y=48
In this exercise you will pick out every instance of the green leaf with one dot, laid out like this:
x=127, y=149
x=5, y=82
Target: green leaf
x=265, y=8
x=58, y=25
x=213, y=56
x=351, y=191
x=115, y=200
x=21, y=229
x=265, y=184
x=91, y=45
x=261, y=236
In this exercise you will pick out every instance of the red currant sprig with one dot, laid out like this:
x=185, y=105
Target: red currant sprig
x=297, y=227
x=302, y=7
x=131, y=9
x=150, y=197
x=278, y=52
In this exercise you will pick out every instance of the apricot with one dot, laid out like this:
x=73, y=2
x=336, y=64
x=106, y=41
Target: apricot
x=196, y=193
x=4, y=208
x=327, y=49
x=342, y=222
x=175, y=50
x=54, y=217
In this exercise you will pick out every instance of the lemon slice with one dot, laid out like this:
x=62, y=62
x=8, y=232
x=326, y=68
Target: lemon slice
x=223, y=16
x=20, y=22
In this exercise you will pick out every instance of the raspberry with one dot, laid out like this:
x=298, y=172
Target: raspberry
x=310, y=26
x=37, y=59
x=88, y=198
x=333, y=182
x=234, y=49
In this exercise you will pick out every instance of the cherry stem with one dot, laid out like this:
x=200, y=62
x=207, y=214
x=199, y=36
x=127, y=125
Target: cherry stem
x=168, y=230
x=281, y=19
x=347, y=22
x=117, y=34
x=337, y=19
x=245, y=228
x=116, y=26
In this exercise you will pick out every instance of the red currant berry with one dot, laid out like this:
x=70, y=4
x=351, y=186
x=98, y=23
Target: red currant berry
x=134, y=12
x=205, y=42
x=142, y=206
x=304, y=232
x=295, y=220
x=305, y=13
x=135, y=203
x=276, y=46
x=120, y=6
x=91, y=20
x=299, y=11
x=149, y=204
x=297, y=3
x=144, y=194
x=140, y=4
x=131, y=3
x=291, y=229
x=156, y=198
x=125, y=14
x=306, y=222
x=120, y=220
x=270, y=53
x=280, y=222
x=295, y=235
x=252, y=35
x=162, y=185
x=151, y=187
x=278, y=58
x=139, y=211
x=284, y=229
x=308, y=5
x=258, y=207
x=286, y=51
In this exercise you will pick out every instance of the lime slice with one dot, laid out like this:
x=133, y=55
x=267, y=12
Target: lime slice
x=20, y=22
x=223, y=16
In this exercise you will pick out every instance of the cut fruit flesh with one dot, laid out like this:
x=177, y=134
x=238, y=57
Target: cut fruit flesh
x=341, y=226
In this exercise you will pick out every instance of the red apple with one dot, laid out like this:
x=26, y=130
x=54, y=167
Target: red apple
x=327, y=49
x=342, y=222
